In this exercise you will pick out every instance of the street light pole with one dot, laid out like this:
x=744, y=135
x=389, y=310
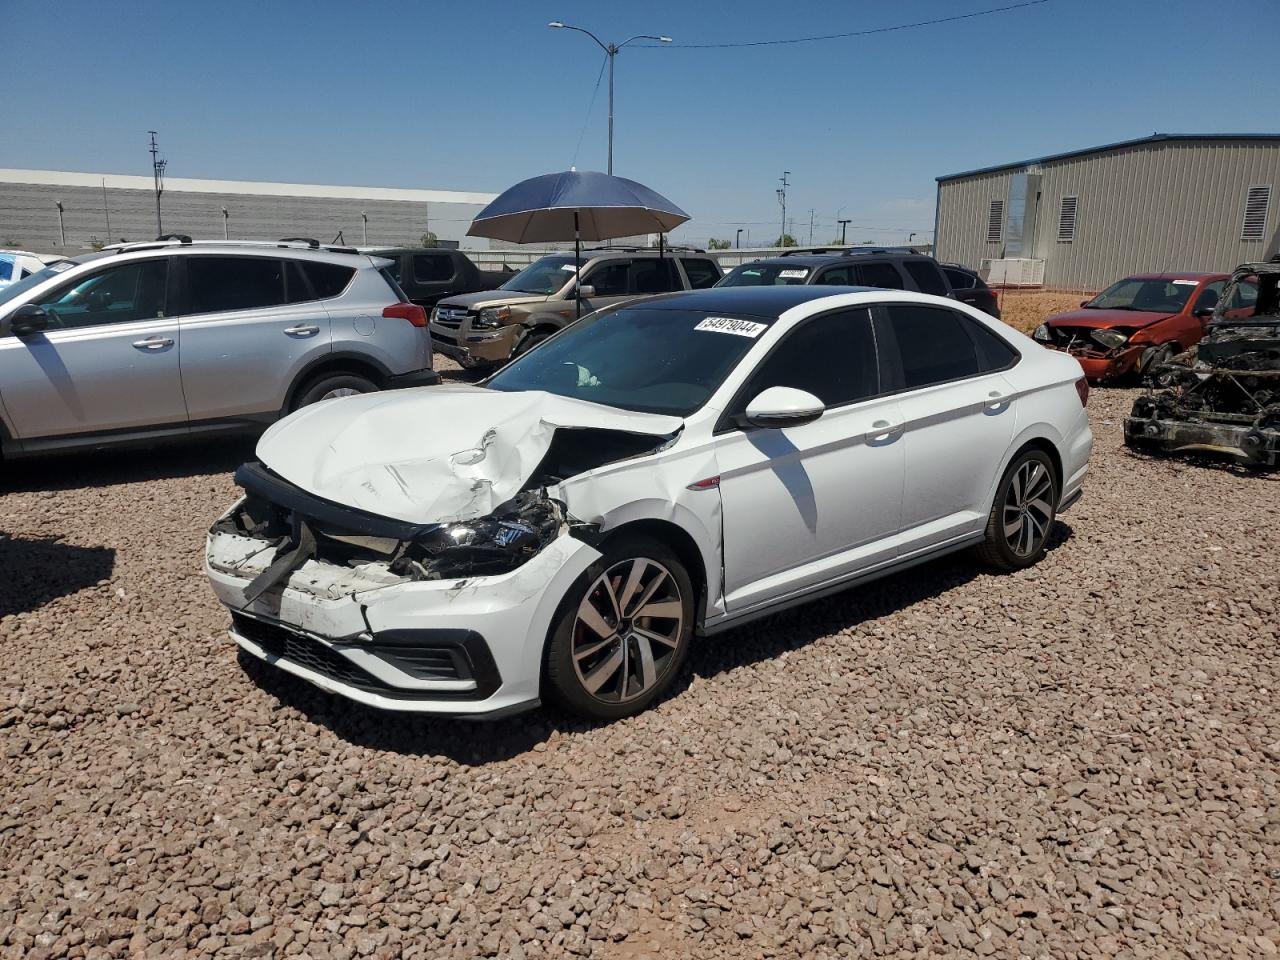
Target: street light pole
x=737, y=240
x=843, y=225
x=611, y=51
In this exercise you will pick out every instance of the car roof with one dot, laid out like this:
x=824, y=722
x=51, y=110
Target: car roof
x=820, y=259
x=1176, y=275
x=768, y=302
x=224, y=249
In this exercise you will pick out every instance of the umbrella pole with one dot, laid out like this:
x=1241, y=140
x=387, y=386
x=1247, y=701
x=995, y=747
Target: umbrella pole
x=577, y=267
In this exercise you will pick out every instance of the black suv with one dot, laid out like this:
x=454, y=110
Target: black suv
x=888, y=267
x=967, y=286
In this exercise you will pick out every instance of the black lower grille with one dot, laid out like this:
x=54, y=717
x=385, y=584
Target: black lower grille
x=444, y=338
x=411, y=654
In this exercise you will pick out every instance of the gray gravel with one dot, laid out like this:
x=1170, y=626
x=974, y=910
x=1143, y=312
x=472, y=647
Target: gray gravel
x=1082, y=759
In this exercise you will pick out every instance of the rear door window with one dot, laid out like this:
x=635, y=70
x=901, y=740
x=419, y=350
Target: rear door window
x=928, y=277
x=432, y=268
x=960, y=280
x=701, y=273
x=654, y=276
x=993, y=352
x=330, y=279
x=882, y=274
x=221, y=284
x=932, y=344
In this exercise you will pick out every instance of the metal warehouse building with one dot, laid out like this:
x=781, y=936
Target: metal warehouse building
x=1080, y=220
x=47, y=210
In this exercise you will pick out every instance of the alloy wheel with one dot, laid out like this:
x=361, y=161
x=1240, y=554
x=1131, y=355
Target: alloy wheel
x=627, y=629
x=1028, y=508
x=340, y=392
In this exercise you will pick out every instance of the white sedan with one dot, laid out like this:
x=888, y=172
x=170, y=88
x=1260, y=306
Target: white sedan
x=654, y=473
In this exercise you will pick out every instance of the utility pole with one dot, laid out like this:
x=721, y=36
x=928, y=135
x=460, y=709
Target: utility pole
x=105, y=211
x=811, y=226
x=364, y=228
x=843, y=225
x=62, y=232
x=782, y=199
x=157, y=174
x=226, y=224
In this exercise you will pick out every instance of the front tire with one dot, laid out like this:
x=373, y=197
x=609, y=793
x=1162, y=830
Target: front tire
x=622, y=633
x=1022, y=515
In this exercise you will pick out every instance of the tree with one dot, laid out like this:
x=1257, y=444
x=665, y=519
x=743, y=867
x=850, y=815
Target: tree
x=429, y=239
x=714, y=244
x=786, y=240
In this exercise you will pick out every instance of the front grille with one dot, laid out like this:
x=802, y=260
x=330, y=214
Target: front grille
x=450, y=317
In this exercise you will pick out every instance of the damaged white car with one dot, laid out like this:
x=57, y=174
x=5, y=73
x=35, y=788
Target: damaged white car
x=654, y=472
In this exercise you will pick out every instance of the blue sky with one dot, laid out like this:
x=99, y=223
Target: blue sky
x=476, y=96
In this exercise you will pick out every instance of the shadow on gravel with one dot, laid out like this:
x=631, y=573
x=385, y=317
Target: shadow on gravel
x=108, y=468
x=480, y=742
x=1205, y=460
x=37, y=571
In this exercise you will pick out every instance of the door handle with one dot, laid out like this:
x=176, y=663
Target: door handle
x=153, y=343
x=302, y=330
x=995, y=400
x=885, y=432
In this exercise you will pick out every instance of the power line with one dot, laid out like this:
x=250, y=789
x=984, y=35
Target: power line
x=851, y=33
x=590, y=107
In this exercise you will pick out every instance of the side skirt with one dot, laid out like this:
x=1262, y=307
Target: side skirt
x=730, y=621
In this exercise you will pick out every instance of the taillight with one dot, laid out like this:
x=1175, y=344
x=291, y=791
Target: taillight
x=406, y=311
x=1082, y=388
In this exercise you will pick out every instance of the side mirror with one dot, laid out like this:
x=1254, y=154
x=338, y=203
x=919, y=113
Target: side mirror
x=779, y=407
x=1204, y=312
x=26, y=320
x=586, y=291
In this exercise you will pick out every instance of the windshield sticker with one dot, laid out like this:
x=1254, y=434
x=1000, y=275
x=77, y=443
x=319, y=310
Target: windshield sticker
x=794, y=274
x=740, y=328
x=1187, y=283
x=59, y=267
x=570, y=267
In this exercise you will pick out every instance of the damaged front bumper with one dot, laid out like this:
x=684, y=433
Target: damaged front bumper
x=474, y=348
x=1100, y=366
x=353, y=613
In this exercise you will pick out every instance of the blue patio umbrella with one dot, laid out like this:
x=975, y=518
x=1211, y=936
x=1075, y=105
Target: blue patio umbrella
x=576, y=205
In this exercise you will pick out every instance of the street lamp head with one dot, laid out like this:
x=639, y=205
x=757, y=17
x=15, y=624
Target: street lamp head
x=557, y=24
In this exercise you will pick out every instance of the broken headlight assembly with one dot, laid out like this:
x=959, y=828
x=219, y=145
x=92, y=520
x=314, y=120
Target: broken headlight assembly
x=487, y=546
x=1110, y=339
x=1041, y=333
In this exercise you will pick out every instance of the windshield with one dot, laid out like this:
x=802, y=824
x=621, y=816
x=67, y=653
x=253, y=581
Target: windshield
x=16, y=289
x=767, y=275
x=647, y=360
x=1158, y=296
x=544, y=276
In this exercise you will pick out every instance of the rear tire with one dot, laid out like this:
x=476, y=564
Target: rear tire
x=1022, y=515
x=1155, y=357
x=331, y=385
x=622, y=632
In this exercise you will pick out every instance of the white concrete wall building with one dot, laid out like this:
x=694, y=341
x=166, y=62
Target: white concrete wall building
x=29, y=215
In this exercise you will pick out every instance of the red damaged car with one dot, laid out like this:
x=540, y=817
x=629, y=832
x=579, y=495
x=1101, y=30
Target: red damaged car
x=1135, y=323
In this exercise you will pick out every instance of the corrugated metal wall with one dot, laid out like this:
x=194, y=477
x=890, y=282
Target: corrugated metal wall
x=1163, y=206
x=29, y=217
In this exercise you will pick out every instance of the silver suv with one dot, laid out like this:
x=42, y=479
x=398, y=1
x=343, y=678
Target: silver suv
x=174, y=338
x=480, y=329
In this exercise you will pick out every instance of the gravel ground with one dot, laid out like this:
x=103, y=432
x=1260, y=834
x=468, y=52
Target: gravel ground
x=1082, y=759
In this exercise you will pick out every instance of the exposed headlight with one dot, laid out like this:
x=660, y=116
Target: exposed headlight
x=488, y=319
x=1041, y=333
x=435, y=312
x=1111, y=339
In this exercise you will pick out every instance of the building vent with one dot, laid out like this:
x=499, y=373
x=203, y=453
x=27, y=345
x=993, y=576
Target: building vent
x=1255, y=212
x=995, y=221
x=1067, y=220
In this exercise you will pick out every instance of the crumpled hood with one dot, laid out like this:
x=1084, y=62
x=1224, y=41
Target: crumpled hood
x=466, y=301
x=1102, y=319
x=432, y=454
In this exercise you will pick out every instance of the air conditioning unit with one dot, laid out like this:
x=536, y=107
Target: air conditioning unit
x=1013, y=272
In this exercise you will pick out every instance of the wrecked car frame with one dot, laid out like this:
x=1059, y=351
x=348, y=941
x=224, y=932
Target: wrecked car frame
x=1223, y=396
